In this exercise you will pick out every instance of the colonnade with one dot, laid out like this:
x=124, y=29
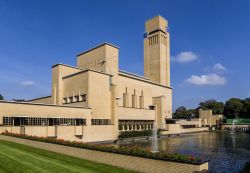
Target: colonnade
x=135, y=125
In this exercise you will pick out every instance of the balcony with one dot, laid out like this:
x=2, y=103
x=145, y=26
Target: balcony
x=127, y=113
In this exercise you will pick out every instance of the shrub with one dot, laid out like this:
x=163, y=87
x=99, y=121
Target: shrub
x=130, y=134
x=132, y=151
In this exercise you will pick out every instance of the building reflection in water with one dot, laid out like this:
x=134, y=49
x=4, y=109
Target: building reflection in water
x=227, y=153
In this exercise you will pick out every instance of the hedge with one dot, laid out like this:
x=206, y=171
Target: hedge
x=125, y=150
x=239, y=121
x=129, y=134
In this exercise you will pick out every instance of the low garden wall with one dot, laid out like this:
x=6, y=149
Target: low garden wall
x=139, y=164
x=187, y=130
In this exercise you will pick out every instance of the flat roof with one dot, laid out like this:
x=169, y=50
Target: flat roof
x=38, y=98
x=132, y=74
x=121, y=72
x=140, y=78
x=67, y=66
x=83, y=71
x=159, y=96
x=42, y=104
x=105, y=43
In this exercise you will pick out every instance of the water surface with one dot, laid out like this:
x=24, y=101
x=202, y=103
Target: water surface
x=227, y=153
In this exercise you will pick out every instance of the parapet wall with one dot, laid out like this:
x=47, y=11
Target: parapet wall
x=176, y=129
x=14, y=109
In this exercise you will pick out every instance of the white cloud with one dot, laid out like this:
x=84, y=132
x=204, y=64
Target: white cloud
x=216, y=68
x=219, y=67
x=28, y=83
x=210, y=79
x=185, y=57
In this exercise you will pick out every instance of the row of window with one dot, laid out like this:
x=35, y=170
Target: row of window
x=100, y=122
x=35, y=121
x=155, y=39
x=135, y=124
x=136, y=127
x=73, y=99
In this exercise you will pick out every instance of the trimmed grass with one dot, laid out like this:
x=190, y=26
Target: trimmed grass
x=19, y=158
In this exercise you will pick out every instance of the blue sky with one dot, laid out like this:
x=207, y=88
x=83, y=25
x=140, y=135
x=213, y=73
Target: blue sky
x=210, y=39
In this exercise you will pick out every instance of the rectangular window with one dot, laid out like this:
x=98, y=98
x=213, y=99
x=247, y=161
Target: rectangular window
x=100, y=122
x=76, y=98
x=136, y=124
x=71, y=99
x=80, y=122
x=8, y=121
x=83, y=97
x=64, y=100
x=37, y=121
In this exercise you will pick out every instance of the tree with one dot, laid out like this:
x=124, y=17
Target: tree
x=233, y=108
x=216, y=107
x=1, y=97
x=246, y=108
x=182, y=113
x=194, y=113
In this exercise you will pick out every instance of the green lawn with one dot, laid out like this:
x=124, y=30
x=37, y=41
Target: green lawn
x=19, y=158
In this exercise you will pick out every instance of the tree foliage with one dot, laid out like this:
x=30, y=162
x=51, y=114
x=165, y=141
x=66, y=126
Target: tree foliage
x=233, y=108
x=246, y=108
x=1, y=97
x=182, y=113
x=216, y=107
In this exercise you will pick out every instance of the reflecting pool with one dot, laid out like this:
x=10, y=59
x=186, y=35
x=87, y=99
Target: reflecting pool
x=227, y=153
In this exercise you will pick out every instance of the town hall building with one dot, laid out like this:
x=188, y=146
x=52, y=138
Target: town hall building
x=95, y=100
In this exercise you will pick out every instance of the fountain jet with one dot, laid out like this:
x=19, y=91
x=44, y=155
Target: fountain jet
x=232, y=132
x=154, y=139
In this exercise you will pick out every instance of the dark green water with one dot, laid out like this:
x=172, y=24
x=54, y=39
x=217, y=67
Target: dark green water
x=227, y=153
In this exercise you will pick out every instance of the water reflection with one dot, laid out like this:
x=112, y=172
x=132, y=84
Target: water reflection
x=227, y=153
